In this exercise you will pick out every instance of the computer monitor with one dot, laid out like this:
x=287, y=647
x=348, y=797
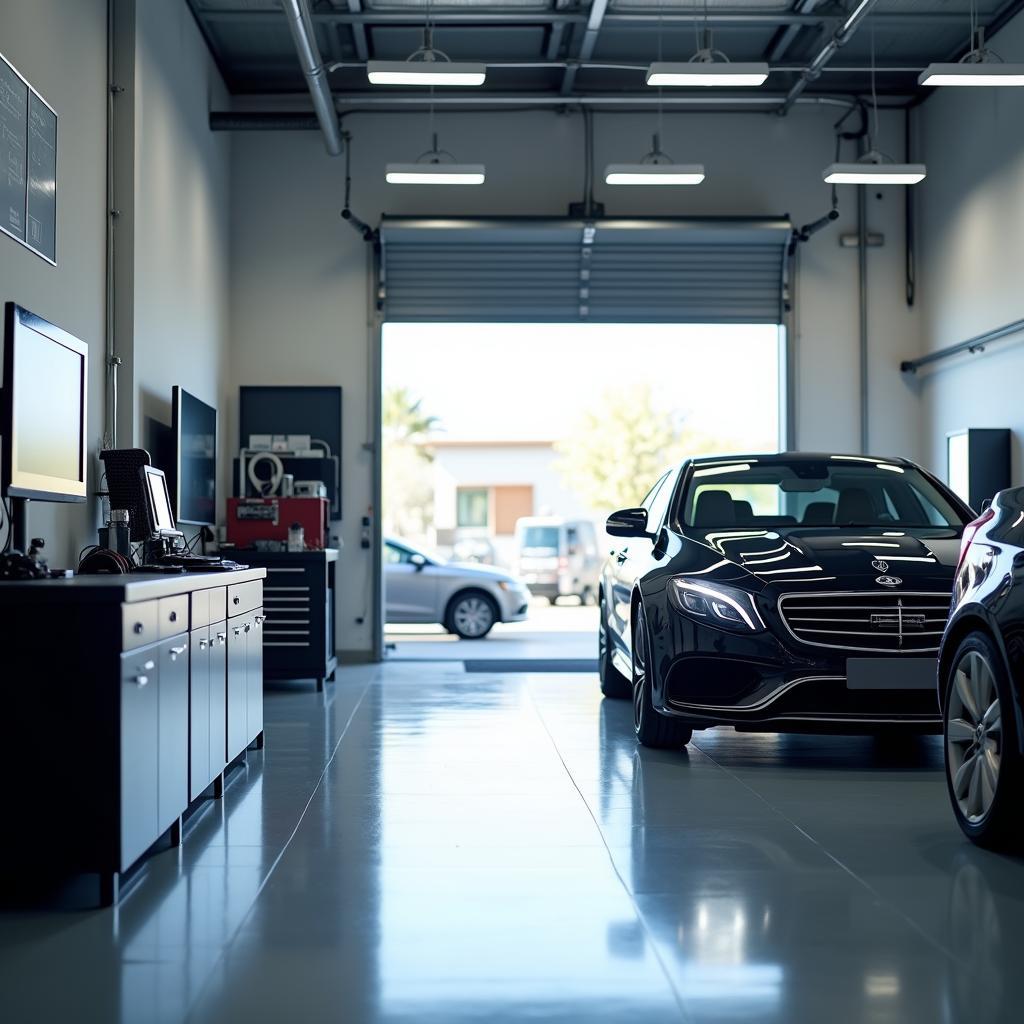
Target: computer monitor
x=194, y=476
x=43, y=412
x=158, y=504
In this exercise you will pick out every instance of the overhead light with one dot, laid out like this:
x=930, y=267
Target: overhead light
x=873, y=169
x=980, y=66
x=656, y=168
x=975, y=73
x=654, y=174
x=426, y=66
x=435, y=174
x=425, y=72
x=707, y=73
x=435, y=167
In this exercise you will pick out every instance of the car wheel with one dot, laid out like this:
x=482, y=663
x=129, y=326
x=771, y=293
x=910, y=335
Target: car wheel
x=652, y=728
x=553, y=601
x=984, y=771
x=613, y=683
x=471, y=615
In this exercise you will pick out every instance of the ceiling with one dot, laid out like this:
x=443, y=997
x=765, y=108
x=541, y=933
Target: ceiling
x=593, y=49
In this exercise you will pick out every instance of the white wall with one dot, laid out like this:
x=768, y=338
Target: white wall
x=182, y=211
x=299, y=295
x=172, y=236
x=972, y=252
x=61, y=49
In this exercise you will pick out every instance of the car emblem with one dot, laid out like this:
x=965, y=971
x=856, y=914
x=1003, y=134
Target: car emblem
x=880, y=565
x=889, y=581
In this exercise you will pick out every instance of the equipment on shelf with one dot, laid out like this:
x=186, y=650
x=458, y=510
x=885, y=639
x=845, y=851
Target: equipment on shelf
x=116, y=535
x=16, y=566
x=122, y=468
x=253, y=519
x=43, y=456
x=102, y=561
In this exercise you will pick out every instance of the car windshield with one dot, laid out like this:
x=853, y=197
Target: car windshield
x=545, y=537
x=839, y=491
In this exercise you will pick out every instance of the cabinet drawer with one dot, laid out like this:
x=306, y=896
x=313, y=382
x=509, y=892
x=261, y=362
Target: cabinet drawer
x=139, y=624
x=173, y=613
x=208, y=606
x=244, y=597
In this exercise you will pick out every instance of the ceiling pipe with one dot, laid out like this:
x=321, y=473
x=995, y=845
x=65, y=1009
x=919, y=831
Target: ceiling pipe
x=840, y=38
x=300, y=24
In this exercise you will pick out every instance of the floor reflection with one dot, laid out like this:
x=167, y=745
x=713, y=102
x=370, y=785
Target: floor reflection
x=425, y=845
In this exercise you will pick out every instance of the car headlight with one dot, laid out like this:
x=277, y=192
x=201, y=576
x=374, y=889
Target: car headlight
x=717, y=604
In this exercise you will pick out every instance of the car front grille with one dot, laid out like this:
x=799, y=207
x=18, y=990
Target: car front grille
x=898, y=623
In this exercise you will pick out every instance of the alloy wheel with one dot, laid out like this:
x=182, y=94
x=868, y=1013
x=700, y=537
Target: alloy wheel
x=974, y=736
x=473, y=616
x=639, y=669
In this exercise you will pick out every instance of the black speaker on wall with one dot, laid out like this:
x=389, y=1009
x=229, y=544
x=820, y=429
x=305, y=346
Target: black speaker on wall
x=978, y=463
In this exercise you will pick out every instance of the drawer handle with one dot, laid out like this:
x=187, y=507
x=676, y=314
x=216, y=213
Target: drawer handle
x=173, y=616
x=141, y=681
x=260, y=619
x=236, y=600
x=138, y=628
x=149, y=666
x=247, y=627
x=175, y=651
x=238, y=631
x=202, y=645
x=221, y=637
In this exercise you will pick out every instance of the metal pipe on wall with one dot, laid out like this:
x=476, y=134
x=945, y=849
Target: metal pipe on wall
x=862, y=286
x=300, y=23
x=112, y=362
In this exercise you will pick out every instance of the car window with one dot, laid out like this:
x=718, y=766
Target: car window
x=652, y=494
x=394, y=555
x=659, y=506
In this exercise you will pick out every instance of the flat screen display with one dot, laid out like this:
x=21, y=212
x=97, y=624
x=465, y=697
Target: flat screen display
x=195, y=432
x=45, y=372
x=159, y=500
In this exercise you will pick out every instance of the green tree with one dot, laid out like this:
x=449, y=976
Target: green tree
x=407, y=484
x=618, y=449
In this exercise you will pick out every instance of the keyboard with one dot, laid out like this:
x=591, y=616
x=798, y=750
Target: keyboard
x=201, y=563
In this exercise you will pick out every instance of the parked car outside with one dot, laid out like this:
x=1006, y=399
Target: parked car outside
x=981, y=669
x=558, y=557
x=780, y=592
x=466, y=599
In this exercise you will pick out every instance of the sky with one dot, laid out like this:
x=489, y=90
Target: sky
x=533, y=381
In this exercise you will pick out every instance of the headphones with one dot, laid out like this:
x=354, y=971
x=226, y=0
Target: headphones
x=106, y=562
x=266, y=487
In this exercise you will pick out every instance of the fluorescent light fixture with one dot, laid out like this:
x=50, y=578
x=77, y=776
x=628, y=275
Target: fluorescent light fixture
x=434, y=174
x=864, y=173
x=973, y=73
x=707, y=73
x=424, y=72
x=654, y=174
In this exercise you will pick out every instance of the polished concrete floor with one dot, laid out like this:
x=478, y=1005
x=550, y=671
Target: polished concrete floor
x=420, y=844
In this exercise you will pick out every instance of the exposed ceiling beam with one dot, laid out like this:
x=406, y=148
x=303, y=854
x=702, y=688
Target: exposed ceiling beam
x=996, y=21
x=296, y=14
x=618, y=20
x=359, y=31
x=842, y=35
x=785, y=35
x=598, y=9
x=555, y=35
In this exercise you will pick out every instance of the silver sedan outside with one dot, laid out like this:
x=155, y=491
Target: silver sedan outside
x=466, y=599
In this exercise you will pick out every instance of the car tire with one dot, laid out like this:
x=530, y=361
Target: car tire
x=587, y=598
x=652, y=728
x=471, y=615
x=984, y=768
x=553, y=601
x=613, y=683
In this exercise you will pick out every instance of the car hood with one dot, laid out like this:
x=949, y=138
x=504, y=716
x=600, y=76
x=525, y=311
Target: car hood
x=475, y=569
x=830, y=558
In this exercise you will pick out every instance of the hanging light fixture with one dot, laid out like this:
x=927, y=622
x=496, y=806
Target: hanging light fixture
x=426, y=66
x=707, y=67
x=873, y=167
x=980, y=66
x=656, y=168
x=435, y=167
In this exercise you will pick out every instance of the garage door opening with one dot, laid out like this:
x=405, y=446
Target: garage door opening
x=505, y=447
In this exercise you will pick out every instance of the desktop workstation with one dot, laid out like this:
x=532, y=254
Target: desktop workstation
x=132, y=683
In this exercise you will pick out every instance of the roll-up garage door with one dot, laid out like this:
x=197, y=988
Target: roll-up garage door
x=604, y=271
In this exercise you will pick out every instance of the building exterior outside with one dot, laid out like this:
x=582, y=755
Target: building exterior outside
x=481, y=488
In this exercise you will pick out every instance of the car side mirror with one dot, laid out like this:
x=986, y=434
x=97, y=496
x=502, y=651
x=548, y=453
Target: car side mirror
x=418, y=561
x=628, y=522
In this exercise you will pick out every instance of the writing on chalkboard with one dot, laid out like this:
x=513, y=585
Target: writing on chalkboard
x=28, y=164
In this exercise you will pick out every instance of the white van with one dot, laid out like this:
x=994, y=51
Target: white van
x=558, y=557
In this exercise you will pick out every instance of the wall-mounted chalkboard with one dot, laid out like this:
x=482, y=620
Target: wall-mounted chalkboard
x=28, y=165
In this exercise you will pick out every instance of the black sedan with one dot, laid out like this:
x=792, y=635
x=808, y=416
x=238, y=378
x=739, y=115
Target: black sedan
x=803, y=592
x=981, y=668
